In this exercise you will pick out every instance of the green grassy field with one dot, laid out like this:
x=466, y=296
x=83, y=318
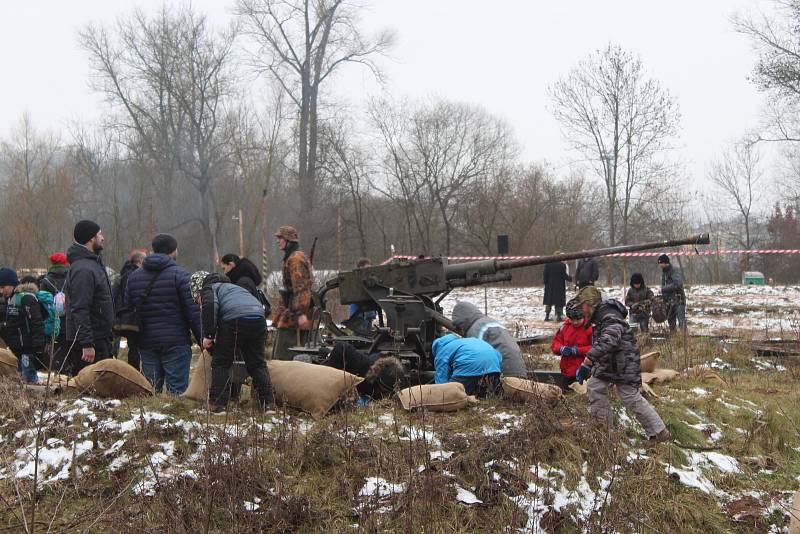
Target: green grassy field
x=159, y=464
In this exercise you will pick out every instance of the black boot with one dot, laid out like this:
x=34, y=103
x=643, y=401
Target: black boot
x=547, y=318
x=263, y=386
x=220, y=391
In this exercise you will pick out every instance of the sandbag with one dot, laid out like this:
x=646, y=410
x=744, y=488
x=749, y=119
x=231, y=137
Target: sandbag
x=114, y=379
x=647, y=391
x=449, y=397
x=794, y=514
x=523, y=390
x=580, y=389
x=662, y=376
x=200, y=381
x=649, y=361
x=8, y=363
x=648, y=378
x=701, y=372
x=308, y=387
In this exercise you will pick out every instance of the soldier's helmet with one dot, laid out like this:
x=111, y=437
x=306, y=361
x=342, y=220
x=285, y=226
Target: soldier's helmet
x=288, y=233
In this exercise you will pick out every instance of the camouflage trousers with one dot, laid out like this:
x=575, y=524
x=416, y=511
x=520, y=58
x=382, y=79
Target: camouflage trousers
x=631, y=398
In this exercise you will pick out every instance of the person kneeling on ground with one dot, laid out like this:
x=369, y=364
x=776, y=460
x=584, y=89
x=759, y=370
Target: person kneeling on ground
x=638, y=299
x=572, y=342
x=470, y=361
x=382, y=373
x=234, y=327
x=472, y=323
x=24, y=324
x=614, y=359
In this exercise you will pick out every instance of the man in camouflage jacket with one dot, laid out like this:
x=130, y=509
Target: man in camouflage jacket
x=292, y=318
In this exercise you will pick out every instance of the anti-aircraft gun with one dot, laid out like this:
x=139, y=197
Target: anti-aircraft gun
x=409, y=293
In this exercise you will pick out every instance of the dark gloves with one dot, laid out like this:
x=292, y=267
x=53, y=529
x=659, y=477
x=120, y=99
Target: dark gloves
x=584, y=372
x=566, y=351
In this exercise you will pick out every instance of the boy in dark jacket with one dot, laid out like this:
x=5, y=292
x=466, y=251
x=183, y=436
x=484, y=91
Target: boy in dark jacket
x=638, y=299
x=53, y=282
x=234, y=327
x=24, y=330
x=614, y=359
x=382, y=373
x=572, y=342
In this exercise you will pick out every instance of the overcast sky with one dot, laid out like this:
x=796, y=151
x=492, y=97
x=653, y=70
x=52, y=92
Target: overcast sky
x=501, y=55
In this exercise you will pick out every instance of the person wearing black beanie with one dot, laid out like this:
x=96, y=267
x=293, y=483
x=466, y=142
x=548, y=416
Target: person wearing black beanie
x=663, y=259
x=88, y=234
x=638, y=299
x=673, y=293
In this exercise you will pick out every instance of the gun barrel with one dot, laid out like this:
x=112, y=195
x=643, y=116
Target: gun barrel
x=699, y=239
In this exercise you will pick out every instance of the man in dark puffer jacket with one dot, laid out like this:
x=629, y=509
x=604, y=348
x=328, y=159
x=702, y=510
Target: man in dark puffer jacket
x=168, y=315
x=615, y=359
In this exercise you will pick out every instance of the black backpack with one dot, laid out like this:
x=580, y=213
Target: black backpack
x=127, y=321
x=262, y=298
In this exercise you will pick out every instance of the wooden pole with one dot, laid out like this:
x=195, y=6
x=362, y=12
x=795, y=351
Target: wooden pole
x=241, y=234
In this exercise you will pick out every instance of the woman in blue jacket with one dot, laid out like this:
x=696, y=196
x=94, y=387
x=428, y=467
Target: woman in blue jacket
x=469, y=361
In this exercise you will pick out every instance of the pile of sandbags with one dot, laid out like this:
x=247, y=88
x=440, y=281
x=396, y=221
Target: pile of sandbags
x=112, y=378
x=314, y=389
x=660, y=376
x=520, y=389
x=200, y=380
x=449, y=397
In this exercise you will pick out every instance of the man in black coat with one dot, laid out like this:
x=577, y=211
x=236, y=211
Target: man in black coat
x=241, y=272
x=118, y=291
x=168, y=314
x=90, y=308
x=587, y=273
x=555, y=289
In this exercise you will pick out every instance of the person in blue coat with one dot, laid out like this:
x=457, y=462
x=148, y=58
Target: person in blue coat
x=469, y=361
x=169, y=316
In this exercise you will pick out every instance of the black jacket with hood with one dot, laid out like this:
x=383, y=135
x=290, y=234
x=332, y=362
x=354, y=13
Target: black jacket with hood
x=614, y=353
x=90, y=309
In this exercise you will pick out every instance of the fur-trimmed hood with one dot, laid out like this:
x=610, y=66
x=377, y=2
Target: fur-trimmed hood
x=30, y=287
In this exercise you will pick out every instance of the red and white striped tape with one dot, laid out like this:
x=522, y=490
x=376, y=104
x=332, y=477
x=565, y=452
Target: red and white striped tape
x=618, y=255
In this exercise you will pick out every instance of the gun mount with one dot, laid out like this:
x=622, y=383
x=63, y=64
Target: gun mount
x=409, y=292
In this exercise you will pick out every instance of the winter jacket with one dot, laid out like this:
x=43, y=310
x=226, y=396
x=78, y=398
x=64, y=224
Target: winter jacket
x=245, y=274
x=672, y=285
x=169, y=312
x=463, y=357
x=615, y=354
x=118, y=290
x=90, y=309
x=572, y=336
x=223, y=303
x=555, y=288
x=587, y=272
x=638, y=300
x=297, y=282
x=24, y=330
x=469, y=319
x=53, y=282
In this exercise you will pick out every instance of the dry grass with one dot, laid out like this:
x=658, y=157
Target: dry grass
x=309, y=476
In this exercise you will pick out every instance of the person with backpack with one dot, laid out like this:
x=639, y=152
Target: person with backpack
x=24, y=324
x=638, y=299
x=234, y=328
x=53, y=282
x=160, y=292
x=134, y=261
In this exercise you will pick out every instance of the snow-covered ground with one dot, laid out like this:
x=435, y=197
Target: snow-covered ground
x=761, y=311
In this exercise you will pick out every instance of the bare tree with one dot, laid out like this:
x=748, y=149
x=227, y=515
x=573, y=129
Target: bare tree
x=302, y=43
x=622, y=123
x=737, y=176
x=437, y=153
x=170, y=78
